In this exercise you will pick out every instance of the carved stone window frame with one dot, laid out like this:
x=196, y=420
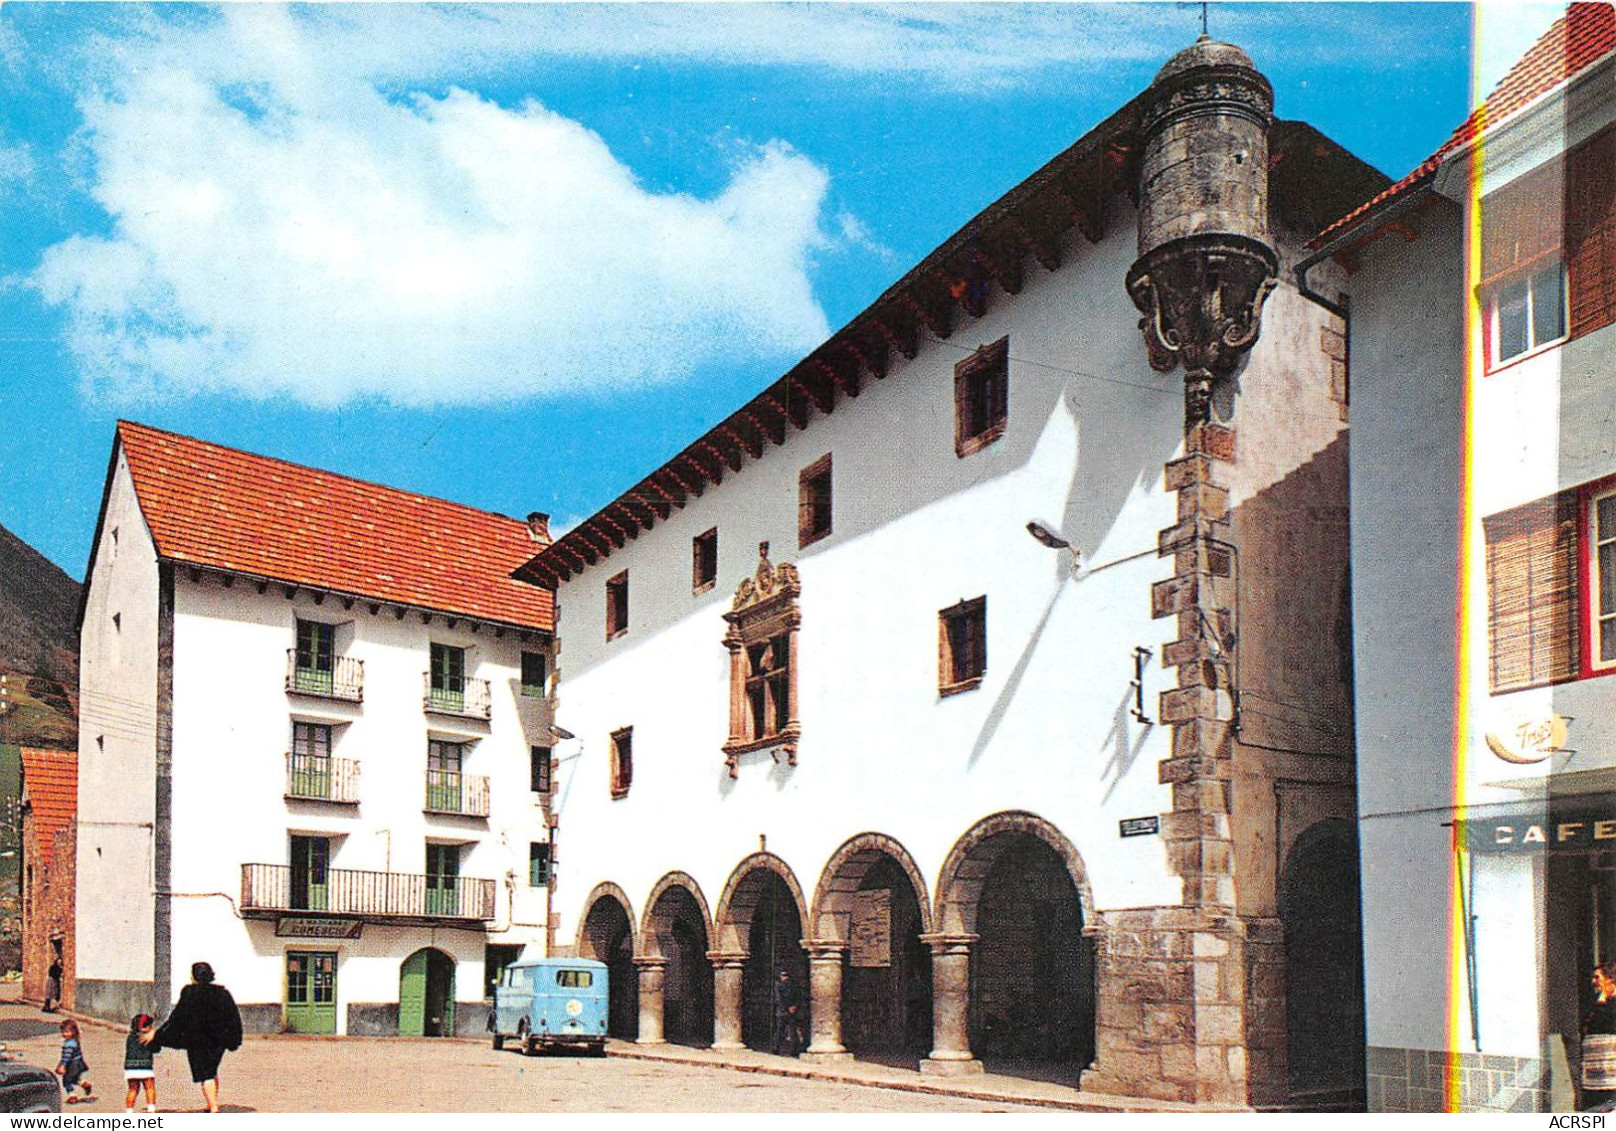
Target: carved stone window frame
x=764, y=608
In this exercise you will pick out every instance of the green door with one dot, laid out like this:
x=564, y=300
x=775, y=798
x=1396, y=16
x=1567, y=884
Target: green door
x=426, y=995
x=448, y=678
x=311, y=859
x=311, y=991
x=412, y=996
x=316, y=657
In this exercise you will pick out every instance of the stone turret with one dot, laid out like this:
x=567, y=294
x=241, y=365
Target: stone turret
x=1205, y=265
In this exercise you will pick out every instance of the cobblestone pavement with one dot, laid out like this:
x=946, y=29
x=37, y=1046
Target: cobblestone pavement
x=303, y=1074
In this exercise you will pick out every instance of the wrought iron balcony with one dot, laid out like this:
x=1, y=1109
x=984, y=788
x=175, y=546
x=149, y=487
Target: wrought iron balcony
x=343, y=677
x=451, y=695
x=314, y=777
x=450, y=791
x=271, y=890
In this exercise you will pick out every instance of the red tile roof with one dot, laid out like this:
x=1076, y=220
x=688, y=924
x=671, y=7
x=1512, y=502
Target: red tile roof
x=213, y=506
x=51, y=779
x=1580, y=38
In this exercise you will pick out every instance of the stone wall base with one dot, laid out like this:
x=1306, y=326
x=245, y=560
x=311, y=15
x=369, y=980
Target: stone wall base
x=115, y=1001
x=1416, y=1080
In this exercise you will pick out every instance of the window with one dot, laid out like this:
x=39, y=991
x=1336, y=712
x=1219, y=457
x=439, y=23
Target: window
x=1527, y=313
x=311, y=761
x=444, y=782
x=1532, y=620
x=443, y=879
x=497, y=957
x=447, y=687
x=704, y=561
x=575, y=979
x=762, y=644
x=981, y=397
x=310, y=872
x=535, y=673
x=962, y=643
x=622, y=761
x=617, y=606
x=539, y=768
x=538, y=864
x=316, y=657
x=1602, y=587
x=813, y=502
x=1548, y=252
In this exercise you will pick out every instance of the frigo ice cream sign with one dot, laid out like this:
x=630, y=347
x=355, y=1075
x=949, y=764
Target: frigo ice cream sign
x=1526, y=741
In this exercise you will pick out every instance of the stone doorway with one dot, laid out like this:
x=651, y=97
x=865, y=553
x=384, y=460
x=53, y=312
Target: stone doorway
x=774, y=943
x=608, y=936
x=1324, y=995
x=677, y=931
x=1013, y=891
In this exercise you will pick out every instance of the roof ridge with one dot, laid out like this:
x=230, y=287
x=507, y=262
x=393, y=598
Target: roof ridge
x=310, y=468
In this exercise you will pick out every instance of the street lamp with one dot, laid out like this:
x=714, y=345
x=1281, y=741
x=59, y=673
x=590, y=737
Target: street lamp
x=1044, y=536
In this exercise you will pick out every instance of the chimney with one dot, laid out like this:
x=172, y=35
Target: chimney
x=538, y=527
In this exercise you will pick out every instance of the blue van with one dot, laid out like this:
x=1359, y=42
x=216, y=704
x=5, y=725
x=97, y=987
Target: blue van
x=551, y=1001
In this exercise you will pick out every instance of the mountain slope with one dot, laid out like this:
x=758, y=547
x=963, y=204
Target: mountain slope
x=38, y=647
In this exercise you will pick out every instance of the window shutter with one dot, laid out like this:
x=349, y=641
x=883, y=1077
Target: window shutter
x=1532, y=622
x=1591, y=234
x=1521, y=223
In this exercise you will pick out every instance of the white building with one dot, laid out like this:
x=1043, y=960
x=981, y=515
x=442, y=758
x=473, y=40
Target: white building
x=1483, y=296
x=314, y=748
x=1087, y=801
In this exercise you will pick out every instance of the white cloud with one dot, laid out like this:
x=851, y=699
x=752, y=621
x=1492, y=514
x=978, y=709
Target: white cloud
x=282, y=229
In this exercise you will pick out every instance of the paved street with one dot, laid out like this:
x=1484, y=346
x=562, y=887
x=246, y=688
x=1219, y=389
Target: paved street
x=312, y=1074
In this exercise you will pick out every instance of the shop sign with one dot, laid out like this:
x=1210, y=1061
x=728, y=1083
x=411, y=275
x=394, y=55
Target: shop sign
x=1539, y=832
x=1139, y=826
x=1524, y=742
x=318, y=928
x=872, y=929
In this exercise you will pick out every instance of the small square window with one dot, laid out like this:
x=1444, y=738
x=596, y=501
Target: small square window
x=981, y=397
x=535, y=674
x=538, y=865
x=622, y=761
x=540, y=768
x=617, y=606
x=1528, y=313
x=814, y=502
x=962, y=641
x=704, y=561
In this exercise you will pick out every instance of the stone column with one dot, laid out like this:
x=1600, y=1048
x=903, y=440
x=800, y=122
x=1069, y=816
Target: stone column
x=825, y=999
x=653, y=975
x=728, y=970
x=950, y=1005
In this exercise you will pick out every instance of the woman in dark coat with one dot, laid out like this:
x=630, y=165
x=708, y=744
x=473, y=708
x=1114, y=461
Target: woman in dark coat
x=205, y=1023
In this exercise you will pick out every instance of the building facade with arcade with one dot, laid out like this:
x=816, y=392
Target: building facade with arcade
x=989, y=672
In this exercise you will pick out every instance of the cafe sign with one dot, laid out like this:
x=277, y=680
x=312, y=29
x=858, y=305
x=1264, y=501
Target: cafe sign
x=1526, y=741
x=1583, y=831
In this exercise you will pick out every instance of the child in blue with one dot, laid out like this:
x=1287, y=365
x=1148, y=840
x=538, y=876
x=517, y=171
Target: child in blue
x=72, y=1068
x=138, y=1070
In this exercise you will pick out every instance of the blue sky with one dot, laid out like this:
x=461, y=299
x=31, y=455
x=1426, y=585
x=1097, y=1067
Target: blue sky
x=517, y=256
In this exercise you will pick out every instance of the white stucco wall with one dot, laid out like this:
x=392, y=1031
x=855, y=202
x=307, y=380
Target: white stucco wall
x=917, y=529
x=117, y=745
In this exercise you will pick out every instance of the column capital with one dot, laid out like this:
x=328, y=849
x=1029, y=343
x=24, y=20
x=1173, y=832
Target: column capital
x=650, y=961
x=949, y=942
x=825, y=950
x=727, y=959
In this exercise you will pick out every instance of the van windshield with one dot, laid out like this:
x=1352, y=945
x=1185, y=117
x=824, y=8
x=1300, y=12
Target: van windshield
x=575, y=979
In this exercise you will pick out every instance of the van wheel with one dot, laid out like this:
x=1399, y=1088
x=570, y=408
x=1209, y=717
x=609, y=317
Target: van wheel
x=499, y=1041
x=530, y=1045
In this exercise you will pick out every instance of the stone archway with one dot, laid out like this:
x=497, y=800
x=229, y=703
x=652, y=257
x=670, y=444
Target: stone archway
x=870, y=914
x=1319, y=906
x=675, y=975
x=1013, y=972
x=606, y=934
x=759, y=926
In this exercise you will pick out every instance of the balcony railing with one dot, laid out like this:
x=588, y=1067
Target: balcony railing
x=268, y=889
x=452, y=696
x=343, y=679
x=314, y=777
x=450, y=791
